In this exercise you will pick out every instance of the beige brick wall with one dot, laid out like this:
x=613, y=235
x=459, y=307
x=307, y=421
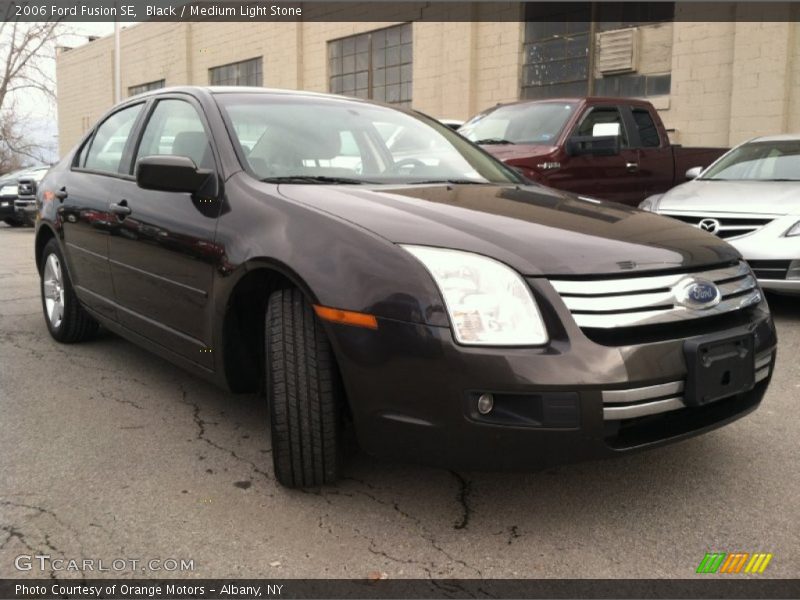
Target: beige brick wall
x=84, y=77
x=730, y=80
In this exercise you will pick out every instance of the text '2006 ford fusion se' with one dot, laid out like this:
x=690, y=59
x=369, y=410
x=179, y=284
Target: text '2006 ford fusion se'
x=372, y=270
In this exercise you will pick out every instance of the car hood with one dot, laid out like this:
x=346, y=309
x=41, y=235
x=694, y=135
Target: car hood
x=536, y=230
x=507, y=152
x=767, y=197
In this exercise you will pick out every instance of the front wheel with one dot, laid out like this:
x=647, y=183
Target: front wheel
x=66, y=319
x=13, y=222
x=304, y=393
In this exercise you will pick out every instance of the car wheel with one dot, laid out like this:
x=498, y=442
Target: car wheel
x=13, y=223
x=304, y=393
x=66, y=319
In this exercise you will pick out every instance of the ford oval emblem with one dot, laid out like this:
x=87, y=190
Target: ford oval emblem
x=698, y=293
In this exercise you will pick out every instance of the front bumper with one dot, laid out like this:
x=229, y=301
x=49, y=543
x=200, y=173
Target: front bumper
x=25, y=209
x=767, y=249
x=412, y=392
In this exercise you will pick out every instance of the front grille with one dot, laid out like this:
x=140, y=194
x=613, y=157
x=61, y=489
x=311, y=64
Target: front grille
x=648, y=300
x=770, y=269
x=725, y=227
x=631, y=403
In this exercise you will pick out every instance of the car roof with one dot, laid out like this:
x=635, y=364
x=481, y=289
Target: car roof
x=590, y=100
x=782, y=137
x=241, y=89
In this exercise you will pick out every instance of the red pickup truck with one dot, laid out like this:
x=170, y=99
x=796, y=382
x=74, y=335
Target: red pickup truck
x=608, y=148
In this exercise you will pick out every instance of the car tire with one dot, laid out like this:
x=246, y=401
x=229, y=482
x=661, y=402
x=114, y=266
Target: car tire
x=13, y=223
x=67, y=321
x=304, y=393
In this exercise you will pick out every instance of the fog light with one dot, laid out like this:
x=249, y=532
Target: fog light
x=794, y=270
x=485, y=404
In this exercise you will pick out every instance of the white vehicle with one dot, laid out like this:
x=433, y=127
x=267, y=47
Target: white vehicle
x=750, y=197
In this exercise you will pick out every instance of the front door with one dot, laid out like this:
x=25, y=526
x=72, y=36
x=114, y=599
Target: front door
x=604, y=177
x=163, y=254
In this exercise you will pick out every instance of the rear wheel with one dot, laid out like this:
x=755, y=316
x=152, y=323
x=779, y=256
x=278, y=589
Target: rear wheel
x=304, y=393
x=66, y=319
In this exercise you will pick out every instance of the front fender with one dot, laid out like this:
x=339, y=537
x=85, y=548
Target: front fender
x=335, y=262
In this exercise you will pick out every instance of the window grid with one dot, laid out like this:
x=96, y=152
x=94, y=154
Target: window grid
x=145, y=87
x=377, y=65
x=557, y=49
x=246, y=72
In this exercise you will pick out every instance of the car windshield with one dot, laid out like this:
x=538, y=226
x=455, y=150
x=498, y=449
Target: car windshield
x=308, y=139
x=758, y=161
x=527, y=123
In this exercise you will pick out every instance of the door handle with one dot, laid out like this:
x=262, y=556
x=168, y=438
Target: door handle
x=61, y=194
x=120, y=209
x=632, y=167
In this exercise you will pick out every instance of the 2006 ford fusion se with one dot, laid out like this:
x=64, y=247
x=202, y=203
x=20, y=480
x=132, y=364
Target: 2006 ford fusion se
x=372, y=270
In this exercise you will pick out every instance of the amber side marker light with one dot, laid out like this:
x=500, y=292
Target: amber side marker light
x=346, y=317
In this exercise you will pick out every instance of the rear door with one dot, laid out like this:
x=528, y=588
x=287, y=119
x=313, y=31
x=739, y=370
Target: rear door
x=606, y=177
x=85, y=192
x=163, y=255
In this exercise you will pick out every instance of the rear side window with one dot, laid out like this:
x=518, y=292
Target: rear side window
x=648, y=133
x=176, y=129
x=108, y=144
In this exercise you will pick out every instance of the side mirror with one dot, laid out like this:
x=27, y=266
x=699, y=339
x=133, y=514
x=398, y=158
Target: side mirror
x=26, y=186
x=694, y=172
x=606, y=145
x=170, y=174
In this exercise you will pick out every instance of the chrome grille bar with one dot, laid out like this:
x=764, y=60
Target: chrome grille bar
x=627, y=302
x=729, y=226
x=663, y=397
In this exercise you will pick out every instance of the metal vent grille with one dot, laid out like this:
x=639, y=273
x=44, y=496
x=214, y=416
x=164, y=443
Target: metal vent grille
x=617, y=51
x=725, y=227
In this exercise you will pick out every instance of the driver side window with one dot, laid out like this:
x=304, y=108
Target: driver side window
x=176, y=129
x=603, y=121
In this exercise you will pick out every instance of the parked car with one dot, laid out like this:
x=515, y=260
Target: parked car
x=9, y=193
x=442, y=307
x=25, y=203
x=751, y=198
x=609, y=148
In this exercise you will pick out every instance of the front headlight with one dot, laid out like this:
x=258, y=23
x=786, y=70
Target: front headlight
x=650, y=203
x=488, y=302
x=793, y=230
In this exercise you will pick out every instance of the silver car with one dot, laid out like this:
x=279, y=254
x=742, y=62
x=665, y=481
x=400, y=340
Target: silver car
x=750, y=197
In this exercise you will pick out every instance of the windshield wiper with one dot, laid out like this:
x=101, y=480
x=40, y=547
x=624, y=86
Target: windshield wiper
x=314, y=179
x=488, y=141
x=453, y=181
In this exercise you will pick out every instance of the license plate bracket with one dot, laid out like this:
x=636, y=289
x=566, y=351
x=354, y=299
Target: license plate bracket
x=718, y=366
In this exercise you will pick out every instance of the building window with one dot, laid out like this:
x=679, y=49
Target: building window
x=375, y=65
x=559, y=51
x=145, y=87
x=246, y=72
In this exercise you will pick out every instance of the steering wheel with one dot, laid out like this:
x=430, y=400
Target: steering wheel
x=406, y=163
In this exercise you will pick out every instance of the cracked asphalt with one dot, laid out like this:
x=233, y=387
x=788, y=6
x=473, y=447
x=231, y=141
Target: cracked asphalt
x=107, y=452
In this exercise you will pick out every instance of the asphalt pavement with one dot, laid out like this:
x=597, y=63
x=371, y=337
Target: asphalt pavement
x=108, y=453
